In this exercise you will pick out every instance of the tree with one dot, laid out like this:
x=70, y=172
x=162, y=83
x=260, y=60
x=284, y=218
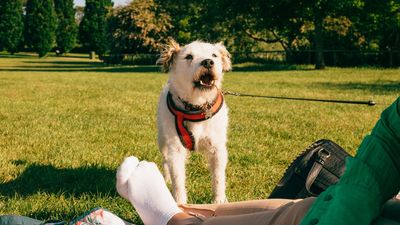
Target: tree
x=382, y=24
x=11, y=25
x=294, y=24
x=40, y=25
x=186, y=17
x=93, y=27
x=208, y=20
x=320, y=13
x=66, y=29
x=140, y=27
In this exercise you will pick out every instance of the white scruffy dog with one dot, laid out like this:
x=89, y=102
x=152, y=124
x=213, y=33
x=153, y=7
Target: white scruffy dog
x=192, y=114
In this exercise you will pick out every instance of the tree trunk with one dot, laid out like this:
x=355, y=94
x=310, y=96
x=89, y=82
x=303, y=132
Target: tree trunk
x=319, y=43
x=92, y=55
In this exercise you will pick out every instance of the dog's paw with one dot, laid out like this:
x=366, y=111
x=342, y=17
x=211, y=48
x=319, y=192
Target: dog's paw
x=124, y=172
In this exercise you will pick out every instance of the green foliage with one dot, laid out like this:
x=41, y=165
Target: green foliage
x=248, y=26
x=209, y=21
x=187, y=19
x=11, y=25
x=66, y=28
x=243, y=26
x=297, y=25
x=93, y=33
x=140, y=27
x=381, y=24
x=40, y=25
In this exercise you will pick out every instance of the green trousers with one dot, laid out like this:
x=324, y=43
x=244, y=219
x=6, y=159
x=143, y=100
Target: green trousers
x=371, y=178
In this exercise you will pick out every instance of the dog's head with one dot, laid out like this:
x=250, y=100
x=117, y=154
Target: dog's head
x=198, y=65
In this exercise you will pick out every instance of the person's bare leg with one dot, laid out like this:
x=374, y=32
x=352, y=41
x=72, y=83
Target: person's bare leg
x=288, y=214
x=235, y=208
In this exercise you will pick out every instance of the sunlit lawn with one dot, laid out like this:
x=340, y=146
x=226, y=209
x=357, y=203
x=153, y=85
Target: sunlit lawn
x=66, y=123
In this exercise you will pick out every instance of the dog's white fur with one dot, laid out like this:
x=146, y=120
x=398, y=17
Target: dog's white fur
x=210, y=135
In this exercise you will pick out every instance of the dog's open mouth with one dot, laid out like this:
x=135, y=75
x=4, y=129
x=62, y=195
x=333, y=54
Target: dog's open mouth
x=205, y=81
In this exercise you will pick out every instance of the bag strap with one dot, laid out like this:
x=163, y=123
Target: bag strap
x=322, y=156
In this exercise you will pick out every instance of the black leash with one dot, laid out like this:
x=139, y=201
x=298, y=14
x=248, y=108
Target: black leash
x=370, y=102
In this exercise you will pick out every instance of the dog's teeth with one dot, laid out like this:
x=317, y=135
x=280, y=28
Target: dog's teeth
x=207, y=84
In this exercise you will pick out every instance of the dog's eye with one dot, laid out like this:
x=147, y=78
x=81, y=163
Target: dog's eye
x=189, y=57
x=214, y=55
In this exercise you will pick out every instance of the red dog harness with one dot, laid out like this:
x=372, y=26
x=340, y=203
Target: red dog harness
x=181, y=115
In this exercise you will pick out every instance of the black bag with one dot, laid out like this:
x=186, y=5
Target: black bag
x=313, y=171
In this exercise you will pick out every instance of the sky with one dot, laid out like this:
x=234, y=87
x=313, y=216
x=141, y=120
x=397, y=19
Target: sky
x=116, y=2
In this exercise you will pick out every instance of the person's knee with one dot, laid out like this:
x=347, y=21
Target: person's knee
x=294, y=213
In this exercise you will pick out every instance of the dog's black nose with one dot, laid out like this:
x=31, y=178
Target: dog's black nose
x=207, y=63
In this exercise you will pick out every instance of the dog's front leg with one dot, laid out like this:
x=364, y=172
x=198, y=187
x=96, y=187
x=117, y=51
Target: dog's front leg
x=166, y=173
x=176, y=163
x=217, y=161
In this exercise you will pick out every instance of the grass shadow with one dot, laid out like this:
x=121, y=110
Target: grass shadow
x=74, y=56
x=58, y=65
x=55, y=67
x=75, y=68
x=17, y=56
x=34, y=55
x=253, y=67
x=66, y=63
x=71, y=181
x=379, y=87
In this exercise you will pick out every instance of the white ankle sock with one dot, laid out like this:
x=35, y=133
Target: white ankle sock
x=124, y=172
x=143, y=185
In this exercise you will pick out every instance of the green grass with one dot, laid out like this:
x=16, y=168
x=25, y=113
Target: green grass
x=66, y=123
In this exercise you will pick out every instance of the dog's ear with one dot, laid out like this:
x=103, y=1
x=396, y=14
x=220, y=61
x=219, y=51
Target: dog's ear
x=168, y=54
x=226, y=57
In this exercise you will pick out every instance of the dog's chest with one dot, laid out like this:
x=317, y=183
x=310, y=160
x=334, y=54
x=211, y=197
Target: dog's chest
x=199, y=129
x=202, y=137
x=203, y=132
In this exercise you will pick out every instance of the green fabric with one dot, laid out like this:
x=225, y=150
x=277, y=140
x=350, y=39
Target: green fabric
x=371, y=178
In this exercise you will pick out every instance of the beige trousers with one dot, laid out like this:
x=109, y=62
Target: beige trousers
x=269, y=212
